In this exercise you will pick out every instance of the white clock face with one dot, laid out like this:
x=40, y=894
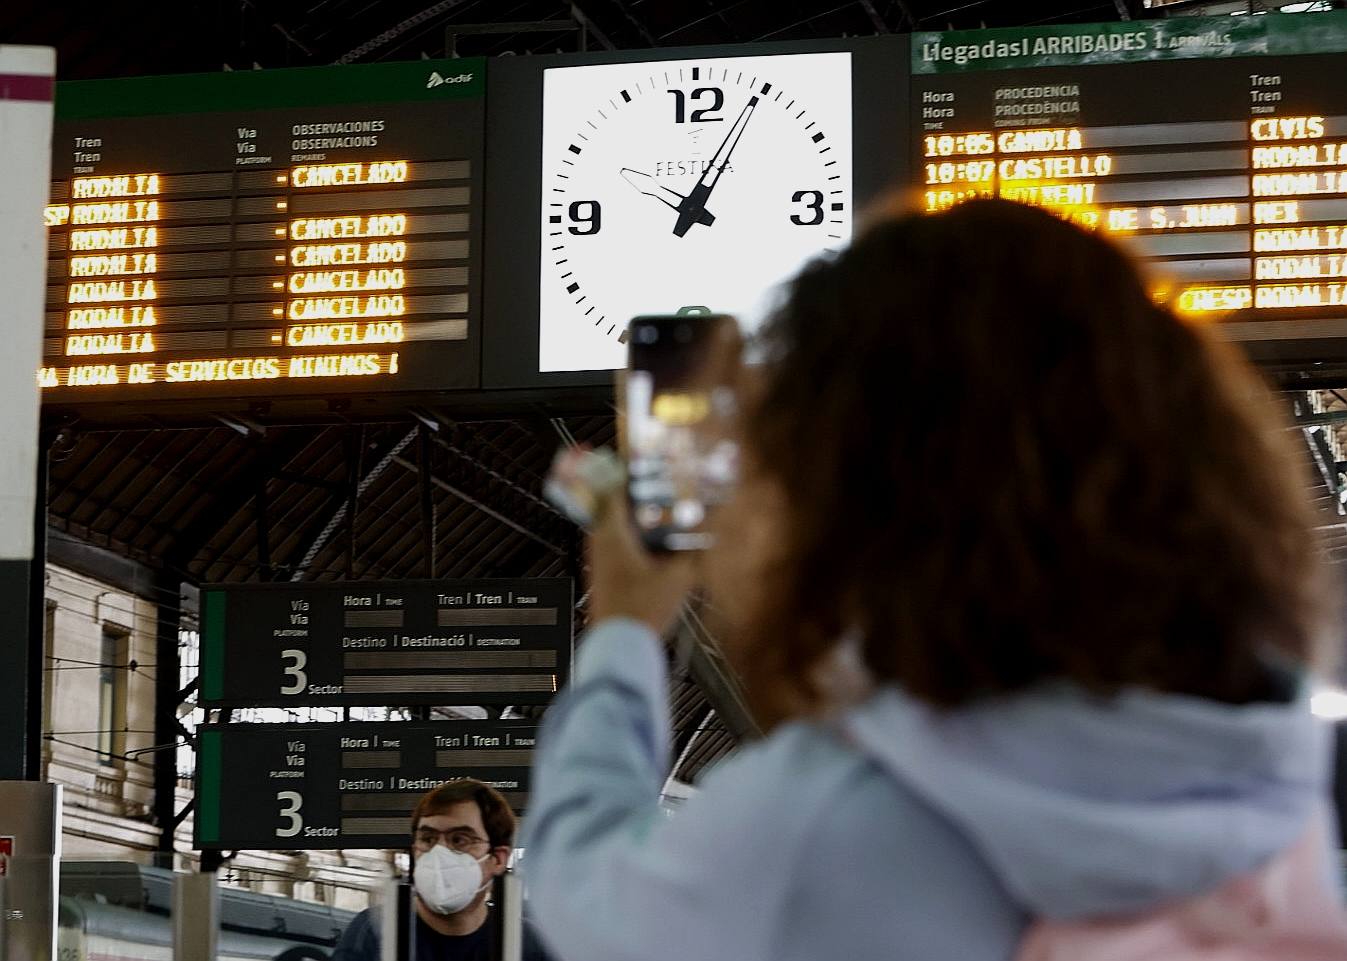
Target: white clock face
x=688, y=183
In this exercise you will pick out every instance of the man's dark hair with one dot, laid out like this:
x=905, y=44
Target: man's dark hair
x=497, y=817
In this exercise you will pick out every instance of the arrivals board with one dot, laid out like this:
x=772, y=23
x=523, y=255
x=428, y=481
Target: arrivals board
x=344, y=785
x=264, y=233
x=385, y=643
x=1214, y=149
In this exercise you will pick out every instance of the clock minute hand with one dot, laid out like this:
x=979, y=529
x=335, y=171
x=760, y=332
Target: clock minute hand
x=693, y=208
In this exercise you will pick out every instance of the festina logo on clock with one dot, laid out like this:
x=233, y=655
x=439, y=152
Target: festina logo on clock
x=687, y=183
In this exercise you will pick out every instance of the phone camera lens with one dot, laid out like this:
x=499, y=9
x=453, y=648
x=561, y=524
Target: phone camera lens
x=646, y=335
x=683, y=333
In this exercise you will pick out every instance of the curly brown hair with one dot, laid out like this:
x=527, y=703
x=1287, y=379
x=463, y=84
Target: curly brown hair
x=1005, y=464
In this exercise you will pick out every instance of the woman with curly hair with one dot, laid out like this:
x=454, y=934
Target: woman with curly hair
x=1061, y=537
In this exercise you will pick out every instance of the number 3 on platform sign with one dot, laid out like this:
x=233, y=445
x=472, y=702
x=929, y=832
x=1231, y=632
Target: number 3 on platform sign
x=291, y=803
x=295, y=671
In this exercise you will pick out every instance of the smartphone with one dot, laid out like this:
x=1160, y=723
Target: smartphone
x=679, y=415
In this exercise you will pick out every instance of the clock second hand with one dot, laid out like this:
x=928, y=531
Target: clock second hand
x=693, y=207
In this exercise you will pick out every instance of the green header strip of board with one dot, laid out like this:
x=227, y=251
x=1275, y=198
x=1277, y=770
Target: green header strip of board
x=212, y=644
x=1136, y=41
x=420, y=81
x=208, y=768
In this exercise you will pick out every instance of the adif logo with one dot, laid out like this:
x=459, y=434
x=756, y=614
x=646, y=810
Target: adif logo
x=435, y=80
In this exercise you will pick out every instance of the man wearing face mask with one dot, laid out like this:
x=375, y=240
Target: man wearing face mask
x=462, y=834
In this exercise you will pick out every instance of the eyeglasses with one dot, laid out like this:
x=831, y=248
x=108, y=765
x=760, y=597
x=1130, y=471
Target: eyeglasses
x=457, y=838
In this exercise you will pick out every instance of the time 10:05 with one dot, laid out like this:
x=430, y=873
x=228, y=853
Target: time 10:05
x=949, y=145
x=971, y=171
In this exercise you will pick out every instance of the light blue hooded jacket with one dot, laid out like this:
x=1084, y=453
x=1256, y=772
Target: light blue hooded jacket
x=902, y=832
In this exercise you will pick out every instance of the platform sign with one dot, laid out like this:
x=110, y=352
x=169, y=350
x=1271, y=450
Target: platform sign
x=385, y=642
x=322, y=786
x=1213, y=149
x=265, y=233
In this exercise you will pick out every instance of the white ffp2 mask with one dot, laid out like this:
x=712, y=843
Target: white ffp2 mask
x=447, y=881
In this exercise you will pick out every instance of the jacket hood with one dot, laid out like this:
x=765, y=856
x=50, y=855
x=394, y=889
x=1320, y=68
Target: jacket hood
x=1086, y=806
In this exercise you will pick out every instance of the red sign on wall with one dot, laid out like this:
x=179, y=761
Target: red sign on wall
x=6, y=852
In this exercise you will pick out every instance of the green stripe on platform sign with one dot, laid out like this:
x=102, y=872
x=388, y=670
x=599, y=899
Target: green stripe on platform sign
x=422, y=81
x=212, y=644
x=208, y=787
x=1083, y=45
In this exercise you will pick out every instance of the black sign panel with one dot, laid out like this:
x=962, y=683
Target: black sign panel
x=296, y=232
x=385, y=642
x=326, y=786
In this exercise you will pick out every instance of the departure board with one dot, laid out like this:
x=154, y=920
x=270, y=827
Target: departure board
x=1215, y=149
x=496, y=641
x=344, y=785
x=311, y=231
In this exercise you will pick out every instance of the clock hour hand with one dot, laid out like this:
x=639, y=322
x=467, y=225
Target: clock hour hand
x=693, y=208
x=645, y=184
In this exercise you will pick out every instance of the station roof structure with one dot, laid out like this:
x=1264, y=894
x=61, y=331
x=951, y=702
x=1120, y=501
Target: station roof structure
x=158, y=36
x=240, y=501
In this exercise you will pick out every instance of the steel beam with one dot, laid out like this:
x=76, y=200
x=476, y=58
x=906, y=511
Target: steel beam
x=708, y=668
x=166, y=687
x=338, y=515
x=427, y=493
x=391, y=34
x=471, y=501
x=587, y=26
x=875, y=18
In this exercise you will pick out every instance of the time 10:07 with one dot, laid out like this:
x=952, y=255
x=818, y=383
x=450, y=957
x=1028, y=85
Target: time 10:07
x=972, y=171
